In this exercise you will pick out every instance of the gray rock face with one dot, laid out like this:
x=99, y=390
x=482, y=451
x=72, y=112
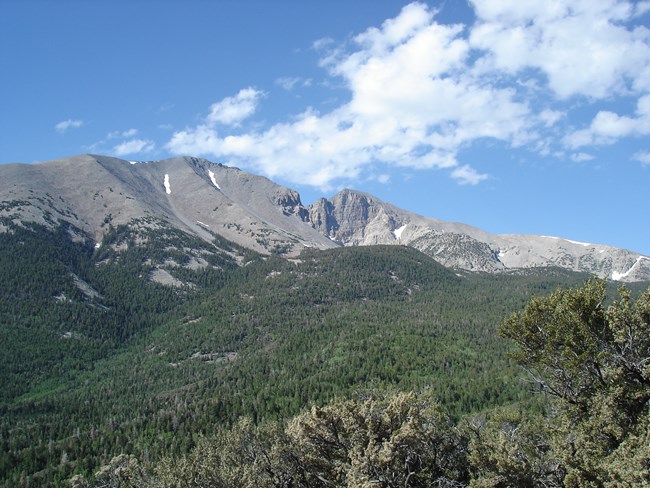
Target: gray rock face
x=521, y=251
x=355, y=218
x=207, y=199
x=320, y=214
x=193, y=194
x=459, y=251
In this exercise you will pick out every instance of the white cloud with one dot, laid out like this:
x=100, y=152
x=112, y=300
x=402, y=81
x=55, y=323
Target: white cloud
x=466, y=175
x=608, y=127
x=290, y=83
x=643, y=157
x=134, y=146
x=287, y=83
x=131, y=146
x=581, y=157
x=64, y=125
x=383, y=178
x=412, y=105
x=322, y=43
x=577, y=44
x=419, y=92
x=116, y=134
x=233, y=110
x=551, y=117
x=611, y=125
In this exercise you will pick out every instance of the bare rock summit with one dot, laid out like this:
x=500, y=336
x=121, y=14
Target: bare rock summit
x=204, y=199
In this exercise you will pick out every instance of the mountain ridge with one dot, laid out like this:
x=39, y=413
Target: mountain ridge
x=206, y=199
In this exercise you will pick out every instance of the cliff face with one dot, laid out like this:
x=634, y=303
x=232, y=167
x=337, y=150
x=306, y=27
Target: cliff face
x=357, y=219
x=322, y=219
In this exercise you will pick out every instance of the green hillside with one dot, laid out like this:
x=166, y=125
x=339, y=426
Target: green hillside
x=98, y=360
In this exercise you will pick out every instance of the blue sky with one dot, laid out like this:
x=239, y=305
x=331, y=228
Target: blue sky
x=516, y=117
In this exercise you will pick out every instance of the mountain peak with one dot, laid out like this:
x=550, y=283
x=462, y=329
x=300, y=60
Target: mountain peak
x=206, y=199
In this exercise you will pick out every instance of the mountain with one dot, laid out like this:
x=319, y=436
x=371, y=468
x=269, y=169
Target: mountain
x=201, y=198
x=355, y=218
x=97, y=193
x=146, y=304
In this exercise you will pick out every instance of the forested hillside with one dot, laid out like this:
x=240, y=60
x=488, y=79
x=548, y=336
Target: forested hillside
x=591, y=430
x=99, y=359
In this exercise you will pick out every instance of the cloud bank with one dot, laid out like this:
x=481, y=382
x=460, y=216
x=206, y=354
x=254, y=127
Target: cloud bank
x=421, y=92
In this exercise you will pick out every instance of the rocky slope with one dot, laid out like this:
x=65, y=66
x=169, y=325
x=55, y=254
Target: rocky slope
x=204, y=199
x=355, y=218
x=192, y=194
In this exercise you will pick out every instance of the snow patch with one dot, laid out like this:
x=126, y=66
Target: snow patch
x=398, y=232
x=98, y=245
x=616, y=276
x=168, y=187
x=569, y=240
x=579, y=243
x=134, y=162
x=214, y=182
x=201, y=223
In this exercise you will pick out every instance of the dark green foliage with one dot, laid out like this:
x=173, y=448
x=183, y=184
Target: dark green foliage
x=49, y=325
x=64, y=307
x=144, y=369
x=594, y=360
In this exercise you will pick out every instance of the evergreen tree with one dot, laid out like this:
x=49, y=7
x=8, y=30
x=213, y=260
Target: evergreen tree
x=595, y=361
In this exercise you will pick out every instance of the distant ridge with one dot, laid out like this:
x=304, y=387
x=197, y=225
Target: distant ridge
x=95, y=193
